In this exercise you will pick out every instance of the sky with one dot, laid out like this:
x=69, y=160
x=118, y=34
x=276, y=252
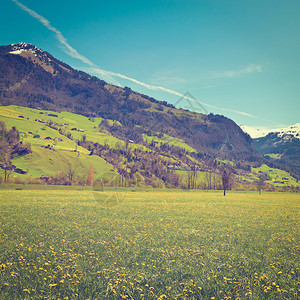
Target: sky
x=240, y=58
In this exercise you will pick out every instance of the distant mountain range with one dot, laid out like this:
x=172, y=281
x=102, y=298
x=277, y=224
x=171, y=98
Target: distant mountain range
x=280, y=145
x=33, y=78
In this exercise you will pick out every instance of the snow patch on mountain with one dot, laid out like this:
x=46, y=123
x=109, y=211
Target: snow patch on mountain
x=20, y=48
x=24, y=46
x=255, y=132
x=17, y=51
x=293, y=130
x=30, y=51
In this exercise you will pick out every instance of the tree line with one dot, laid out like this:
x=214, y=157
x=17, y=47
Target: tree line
x=11, y=146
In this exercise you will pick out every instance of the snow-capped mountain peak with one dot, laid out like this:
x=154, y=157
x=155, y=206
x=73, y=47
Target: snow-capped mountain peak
x=18, y=48
x=255, y=132
x=293, y=130
x=35, y=54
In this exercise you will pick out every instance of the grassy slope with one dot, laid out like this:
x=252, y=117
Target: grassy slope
x=44, y=161
x=276, y=175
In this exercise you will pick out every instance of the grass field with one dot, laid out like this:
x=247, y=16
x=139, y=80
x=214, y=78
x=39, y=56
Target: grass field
x=67, y=244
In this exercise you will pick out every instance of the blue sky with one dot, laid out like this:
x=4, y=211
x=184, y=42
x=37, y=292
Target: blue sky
x=238, y=58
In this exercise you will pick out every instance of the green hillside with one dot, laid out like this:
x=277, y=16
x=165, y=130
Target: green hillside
x=278, y=177
x=55, y=158
x=61, y=139
x=33, y=127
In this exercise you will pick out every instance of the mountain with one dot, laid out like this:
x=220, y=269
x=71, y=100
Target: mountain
x=282, y=146
x=255, y=132
x=293, y=130
x=33, y=78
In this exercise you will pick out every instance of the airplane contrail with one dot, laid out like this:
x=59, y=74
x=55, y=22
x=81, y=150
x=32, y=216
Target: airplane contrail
x=59, y=36
x=109, y=74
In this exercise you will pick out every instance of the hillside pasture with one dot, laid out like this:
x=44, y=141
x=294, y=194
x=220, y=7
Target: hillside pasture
x=62, y=150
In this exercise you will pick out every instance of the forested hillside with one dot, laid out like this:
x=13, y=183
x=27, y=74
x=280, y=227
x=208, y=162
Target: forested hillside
x=33, y=78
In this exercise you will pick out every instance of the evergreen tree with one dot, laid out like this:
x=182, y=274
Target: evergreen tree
x=91, y=176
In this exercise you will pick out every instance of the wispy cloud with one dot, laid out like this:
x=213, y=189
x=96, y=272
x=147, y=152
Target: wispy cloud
x=146, y=85
x=68, y=49
x=71, y=51
x=247, y=70
x=167, y=78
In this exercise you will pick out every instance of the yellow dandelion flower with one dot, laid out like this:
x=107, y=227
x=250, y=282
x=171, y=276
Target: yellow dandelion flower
x=52, y=284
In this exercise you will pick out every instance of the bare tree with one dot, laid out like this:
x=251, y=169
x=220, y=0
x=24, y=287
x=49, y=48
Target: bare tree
x=208, y=179
x=261, y=183
x=214, y=180
x=5, y=159
x=226, y=179
x=70, y=171
x=192, y=178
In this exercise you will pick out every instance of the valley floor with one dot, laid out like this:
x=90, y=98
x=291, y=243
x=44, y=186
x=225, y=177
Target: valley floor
x=81, y=244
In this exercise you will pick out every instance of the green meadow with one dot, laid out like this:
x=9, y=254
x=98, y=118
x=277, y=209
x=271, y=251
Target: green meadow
x=80, y=244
